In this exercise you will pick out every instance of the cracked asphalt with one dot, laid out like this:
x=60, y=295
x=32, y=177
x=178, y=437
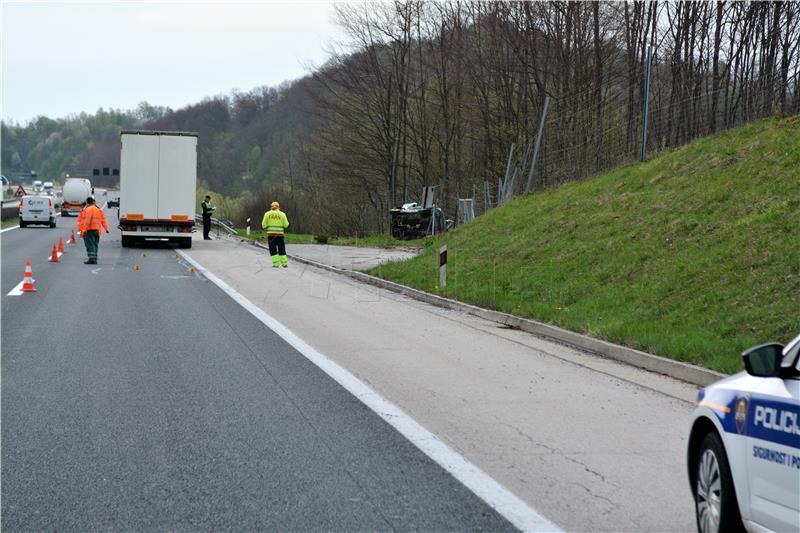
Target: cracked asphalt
x=591, y=444
x=137, y=396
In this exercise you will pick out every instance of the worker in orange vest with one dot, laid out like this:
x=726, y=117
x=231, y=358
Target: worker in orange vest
x=90, y=222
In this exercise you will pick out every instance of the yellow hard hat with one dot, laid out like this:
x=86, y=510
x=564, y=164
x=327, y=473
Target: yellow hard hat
x=275, y=204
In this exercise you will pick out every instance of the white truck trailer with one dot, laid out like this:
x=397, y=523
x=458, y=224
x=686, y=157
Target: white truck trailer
x=158, y=180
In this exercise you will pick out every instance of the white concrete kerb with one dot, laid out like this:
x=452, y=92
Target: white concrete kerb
x=686, y=372
x=508, y=505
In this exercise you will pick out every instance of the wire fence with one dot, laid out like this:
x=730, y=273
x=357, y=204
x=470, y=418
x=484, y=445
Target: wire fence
x=578, y=141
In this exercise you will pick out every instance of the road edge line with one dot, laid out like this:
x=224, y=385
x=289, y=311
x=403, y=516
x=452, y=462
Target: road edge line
x=9, y=229
x=16, y=291
x=686, y=372
x=499, y=498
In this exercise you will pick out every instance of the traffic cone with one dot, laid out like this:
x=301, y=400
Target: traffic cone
x=71, y=237
x=61, y=244
x=27, y=281
x=54, y=256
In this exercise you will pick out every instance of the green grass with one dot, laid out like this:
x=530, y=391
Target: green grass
x=374, y=241
x=9, y=223
x=694, y=255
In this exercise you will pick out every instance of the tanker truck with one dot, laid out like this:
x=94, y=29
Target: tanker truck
x=76, y=191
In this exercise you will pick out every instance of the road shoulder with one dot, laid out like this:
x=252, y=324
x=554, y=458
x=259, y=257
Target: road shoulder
x=533, y=414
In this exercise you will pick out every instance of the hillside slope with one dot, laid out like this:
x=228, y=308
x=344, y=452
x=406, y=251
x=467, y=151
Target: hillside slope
x=694, y=255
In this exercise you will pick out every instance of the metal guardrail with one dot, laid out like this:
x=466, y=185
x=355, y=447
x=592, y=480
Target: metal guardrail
x=227, y=225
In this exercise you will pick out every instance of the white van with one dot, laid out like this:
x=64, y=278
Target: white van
x=36, y=210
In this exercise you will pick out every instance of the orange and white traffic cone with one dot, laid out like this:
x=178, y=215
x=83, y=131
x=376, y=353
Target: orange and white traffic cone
x=27, y=281
x=71, y=237
x=61, y=244
x=54, y=256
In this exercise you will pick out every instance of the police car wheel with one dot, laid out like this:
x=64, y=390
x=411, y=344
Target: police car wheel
x=716, y=507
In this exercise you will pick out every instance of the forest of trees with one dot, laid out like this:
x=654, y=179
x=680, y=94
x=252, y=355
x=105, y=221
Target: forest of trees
x=436, y=93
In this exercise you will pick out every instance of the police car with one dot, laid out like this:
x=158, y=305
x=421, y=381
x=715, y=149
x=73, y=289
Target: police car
x=744, y=445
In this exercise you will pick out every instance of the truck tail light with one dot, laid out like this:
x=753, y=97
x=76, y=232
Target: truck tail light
x=127, y=228
x=184, y=229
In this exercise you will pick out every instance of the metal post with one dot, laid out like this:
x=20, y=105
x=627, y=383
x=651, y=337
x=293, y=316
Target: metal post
x=538, y=143
x=248, y=227
x=648, y=68
x=501, y=193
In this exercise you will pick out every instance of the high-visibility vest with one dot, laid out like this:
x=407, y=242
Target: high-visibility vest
x=91, y=218
x=207, y=209
x=274, y=222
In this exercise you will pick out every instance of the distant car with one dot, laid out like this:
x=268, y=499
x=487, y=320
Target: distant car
x=47, y=187
x=58, y=199
x=38, y=186
x=113, y=199
x=6, y=184
x=37, y=210
x=744, y=445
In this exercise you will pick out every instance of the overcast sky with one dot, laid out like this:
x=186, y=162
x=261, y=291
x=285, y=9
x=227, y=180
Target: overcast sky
x=61, y=58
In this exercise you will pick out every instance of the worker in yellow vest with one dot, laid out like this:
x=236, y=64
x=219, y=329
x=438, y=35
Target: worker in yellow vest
x=274, y=223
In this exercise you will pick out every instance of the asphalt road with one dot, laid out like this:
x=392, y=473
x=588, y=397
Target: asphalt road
x=590, y=443
x=136, y=395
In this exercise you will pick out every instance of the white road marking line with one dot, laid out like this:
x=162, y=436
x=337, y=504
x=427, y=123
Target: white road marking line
x=499, y=498
x=17, y=291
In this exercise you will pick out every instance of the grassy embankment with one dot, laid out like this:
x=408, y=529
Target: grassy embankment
x=9, y=223
x=694, y=255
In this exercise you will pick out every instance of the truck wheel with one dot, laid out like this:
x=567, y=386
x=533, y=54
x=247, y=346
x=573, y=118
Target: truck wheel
x=22, y=224
x=185, y=242
x=127, y=241
x=716, y=508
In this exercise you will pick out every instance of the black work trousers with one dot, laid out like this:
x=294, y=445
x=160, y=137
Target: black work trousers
x=206, y=225
x=276, y=245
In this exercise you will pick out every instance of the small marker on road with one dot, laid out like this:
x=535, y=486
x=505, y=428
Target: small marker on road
x=137, y=268
x=144, y=254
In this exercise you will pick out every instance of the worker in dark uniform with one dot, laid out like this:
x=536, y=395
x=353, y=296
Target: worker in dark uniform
x=207, y=210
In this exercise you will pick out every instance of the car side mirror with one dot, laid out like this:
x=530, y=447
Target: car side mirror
x=764, y=360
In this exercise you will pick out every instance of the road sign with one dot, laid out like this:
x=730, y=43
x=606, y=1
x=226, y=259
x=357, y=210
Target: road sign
x=20, y=191
x=443, y=266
